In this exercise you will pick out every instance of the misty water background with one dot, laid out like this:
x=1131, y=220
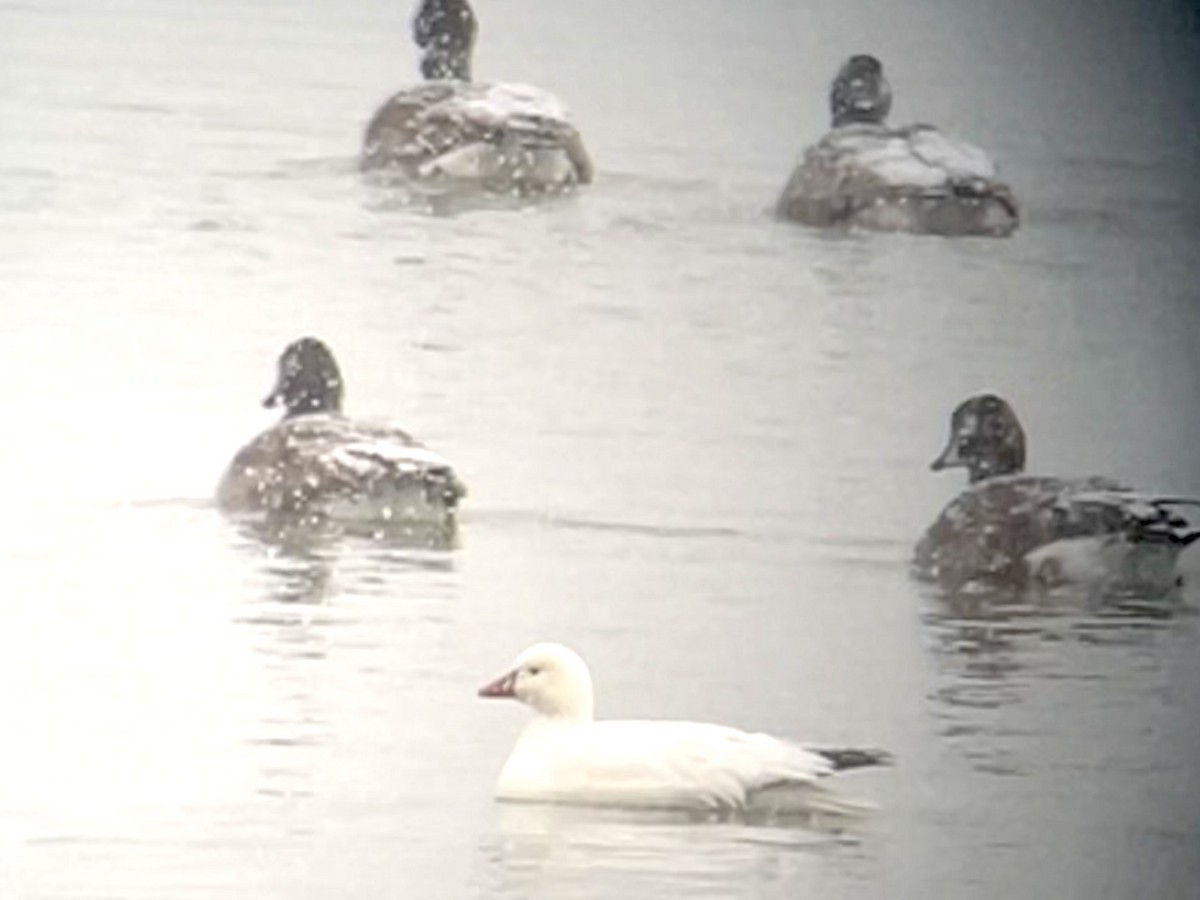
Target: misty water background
x=697, y=443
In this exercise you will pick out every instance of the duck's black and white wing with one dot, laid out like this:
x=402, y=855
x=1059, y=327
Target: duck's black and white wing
x=389, y=468
x=1140, y=517
x=331, y=466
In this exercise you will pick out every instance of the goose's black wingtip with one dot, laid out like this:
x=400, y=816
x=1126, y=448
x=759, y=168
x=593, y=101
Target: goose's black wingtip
x=842, y=758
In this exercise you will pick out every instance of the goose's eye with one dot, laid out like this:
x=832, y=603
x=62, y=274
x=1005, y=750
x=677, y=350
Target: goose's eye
x=535, y=670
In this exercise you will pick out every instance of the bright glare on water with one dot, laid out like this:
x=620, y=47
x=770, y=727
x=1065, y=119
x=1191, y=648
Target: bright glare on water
x=696, y=439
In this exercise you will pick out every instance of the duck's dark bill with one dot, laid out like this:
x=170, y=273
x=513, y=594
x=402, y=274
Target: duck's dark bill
x=949, y=459
x=501, y=687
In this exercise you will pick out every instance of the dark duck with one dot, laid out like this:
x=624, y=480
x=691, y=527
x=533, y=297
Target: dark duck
x=445, y=31
x=451, y=134
x=865, y=173
x=317, y=464
x=1009, y=529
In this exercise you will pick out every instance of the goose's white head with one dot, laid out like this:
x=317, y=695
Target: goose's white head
x=552, y=679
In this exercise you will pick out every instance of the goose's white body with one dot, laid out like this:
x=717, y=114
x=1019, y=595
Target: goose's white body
x=663, y=765
x=564, y=756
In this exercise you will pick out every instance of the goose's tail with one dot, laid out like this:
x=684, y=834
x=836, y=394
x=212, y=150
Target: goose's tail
x=822, y=799
x=842, y=758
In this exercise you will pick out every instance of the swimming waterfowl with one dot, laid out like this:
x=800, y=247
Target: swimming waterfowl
x=565, y=756
x=915, y=178
x=1011, y=529
x=456, y=134
x=318, y=464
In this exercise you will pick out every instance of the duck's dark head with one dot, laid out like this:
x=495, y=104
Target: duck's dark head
x=860, y=92
x=308, y=381
x=985, y=438
x=445, y=32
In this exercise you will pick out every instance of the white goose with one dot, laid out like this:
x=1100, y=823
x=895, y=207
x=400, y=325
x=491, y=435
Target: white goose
x=565, y=756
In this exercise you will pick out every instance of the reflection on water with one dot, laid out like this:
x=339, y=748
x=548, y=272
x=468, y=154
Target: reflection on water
x=1005, y=662
x=305, y=562
x=555, y=851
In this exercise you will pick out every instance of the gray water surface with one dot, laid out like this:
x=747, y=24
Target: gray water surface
x=697, y=443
